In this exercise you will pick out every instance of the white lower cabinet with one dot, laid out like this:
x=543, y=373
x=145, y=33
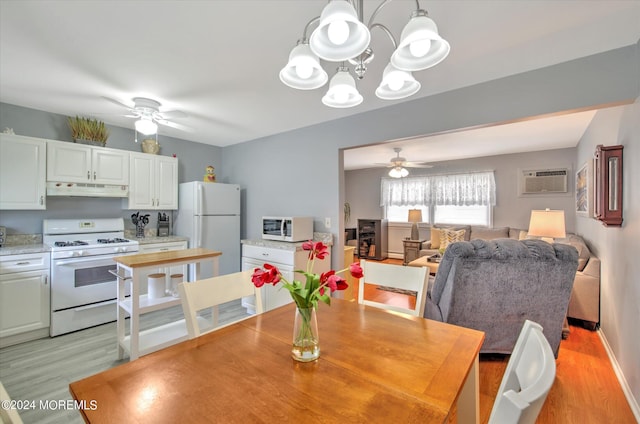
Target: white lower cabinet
x=24, y=297
x=163, y=247
x=286, y=259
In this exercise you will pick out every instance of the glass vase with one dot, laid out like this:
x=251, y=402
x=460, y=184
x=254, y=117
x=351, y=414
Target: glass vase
x=306, y=345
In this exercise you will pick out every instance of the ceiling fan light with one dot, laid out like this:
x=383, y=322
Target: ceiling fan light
x=420, y=46
x=342, y=91
x=303, y=71
x=396, y=84
x=398, y=172
x=146, y=126
x=340, y=35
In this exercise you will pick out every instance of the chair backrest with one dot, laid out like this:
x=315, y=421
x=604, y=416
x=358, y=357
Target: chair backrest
x=211, y=292
x=527, y=380
x=410, y=278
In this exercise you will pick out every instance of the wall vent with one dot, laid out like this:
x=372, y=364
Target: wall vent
x=544, y=181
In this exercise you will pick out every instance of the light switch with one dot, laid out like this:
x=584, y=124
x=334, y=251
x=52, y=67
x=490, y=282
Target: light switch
x=327, y=223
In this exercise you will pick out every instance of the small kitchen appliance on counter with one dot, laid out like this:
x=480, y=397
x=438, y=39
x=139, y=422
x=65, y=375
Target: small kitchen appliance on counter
x=163, y=225
x=3, y=235
x=83, y=291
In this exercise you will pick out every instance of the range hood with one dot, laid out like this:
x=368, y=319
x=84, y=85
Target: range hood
x=86, y=190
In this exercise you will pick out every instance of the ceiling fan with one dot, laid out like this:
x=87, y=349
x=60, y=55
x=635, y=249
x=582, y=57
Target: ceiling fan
x=148, y=114
x=399, y=164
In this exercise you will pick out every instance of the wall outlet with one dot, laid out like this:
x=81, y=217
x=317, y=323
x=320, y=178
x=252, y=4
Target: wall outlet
x=327, y=223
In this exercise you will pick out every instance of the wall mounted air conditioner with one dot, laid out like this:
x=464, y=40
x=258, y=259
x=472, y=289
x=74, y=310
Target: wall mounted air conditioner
x=540, y=181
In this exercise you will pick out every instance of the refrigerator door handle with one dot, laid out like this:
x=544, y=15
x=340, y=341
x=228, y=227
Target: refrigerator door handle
x=198, y=231
x=200, y=199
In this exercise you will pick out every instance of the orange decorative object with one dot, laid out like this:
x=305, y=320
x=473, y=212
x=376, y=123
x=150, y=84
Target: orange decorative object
x=210, y=176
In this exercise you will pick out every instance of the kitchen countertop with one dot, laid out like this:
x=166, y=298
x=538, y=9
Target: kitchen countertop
x=24, y=248
x=326, y=238
x=156, y=239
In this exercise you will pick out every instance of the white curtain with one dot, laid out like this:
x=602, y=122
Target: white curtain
x=410, y=191
x=471, y=189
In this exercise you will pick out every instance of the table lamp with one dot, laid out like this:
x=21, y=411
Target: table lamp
x=547, y=225
x=415, y=216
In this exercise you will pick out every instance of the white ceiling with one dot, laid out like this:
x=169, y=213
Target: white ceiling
x=218, y=60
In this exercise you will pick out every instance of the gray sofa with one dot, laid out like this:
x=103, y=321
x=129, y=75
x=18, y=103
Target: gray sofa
x=493, y=286
x=585, y=297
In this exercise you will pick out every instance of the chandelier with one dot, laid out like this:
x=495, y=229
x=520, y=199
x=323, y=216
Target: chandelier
x=341, y=36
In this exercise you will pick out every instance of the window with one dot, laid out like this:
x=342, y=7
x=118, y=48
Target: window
x=400, y=213
x=447, y=199
x=468, y=215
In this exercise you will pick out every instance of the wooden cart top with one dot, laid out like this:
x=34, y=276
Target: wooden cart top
x=166, y=257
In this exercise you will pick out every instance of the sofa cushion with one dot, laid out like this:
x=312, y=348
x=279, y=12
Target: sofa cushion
x=485, y=233
x=450, y=236
x=435, y=237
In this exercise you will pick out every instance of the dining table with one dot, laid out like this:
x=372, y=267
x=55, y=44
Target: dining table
x=375, y=366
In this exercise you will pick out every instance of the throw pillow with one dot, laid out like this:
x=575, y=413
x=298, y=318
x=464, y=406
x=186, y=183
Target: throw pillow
x=435, y=237
x=450, y=236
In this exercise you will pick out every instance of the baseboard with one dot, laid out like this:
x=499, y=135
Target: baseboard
x=623, y=382
x=393, y=255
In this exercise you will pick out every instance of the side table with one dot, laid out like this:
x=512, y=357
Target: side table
x=411, y=250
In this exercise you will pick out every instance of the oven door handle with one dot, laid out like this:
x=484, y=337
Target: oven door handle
x=101, y=261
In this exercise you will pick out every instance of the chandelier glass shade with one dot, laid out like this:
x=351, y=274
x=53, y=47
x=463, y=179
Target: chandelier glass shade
x=341, y=35
x=342, y=91
x=146, y=126
x=398, y=172
x=303, y=71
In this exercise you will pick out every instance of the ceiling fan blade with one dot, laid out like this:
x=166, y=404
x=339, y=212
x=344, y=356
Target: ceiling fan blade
x=172, y=114
x=174, y=125
x=384, y=164
x=119, y=103
x=417, y=165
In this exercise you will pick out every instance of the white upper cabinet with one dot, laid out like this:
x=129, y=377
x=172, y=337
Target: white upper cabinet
x=154, y=182
x=22, y=172
x=75, y=163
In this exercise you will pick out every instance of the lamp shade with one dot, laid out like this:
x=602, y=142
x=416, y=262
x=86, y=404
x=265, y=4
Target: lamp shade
x=398, y=172
x=415, y=215
x=342, y=91
x=396, y=84
x=340, y=35
x=420, y=46
x=547, y=223
x=303, y=71
x=146, y=126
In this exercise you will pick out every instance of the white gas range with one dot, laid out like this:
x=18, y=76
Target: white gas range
x=83, y=291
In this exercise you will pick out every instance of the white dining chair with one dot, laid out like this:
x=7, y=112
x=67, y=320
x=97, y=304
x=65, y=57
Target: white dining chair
x=211, y=292
x=527, y=380
x=409, y=278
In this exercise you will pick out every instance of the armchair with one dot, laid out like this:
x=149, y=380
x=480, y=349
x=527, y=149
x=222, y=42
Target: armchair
x=494, y=286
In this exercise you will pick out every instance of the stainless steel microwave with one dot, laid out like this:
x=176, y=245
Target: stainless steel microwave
x=297, y=228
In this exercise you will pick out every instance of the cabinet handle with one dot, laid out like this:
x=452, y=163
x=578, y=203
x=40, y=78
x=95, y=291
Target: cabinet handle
x=94, y=175
x=46, y=280
x=88, y=175
x=265, y=254
x=23, y=263
x=165, y=248
x=42, y=200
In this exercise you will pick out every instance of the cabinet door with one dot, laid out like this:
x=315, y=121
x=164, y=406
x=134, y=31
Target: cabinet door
x=68, y=162
x=166, y=183
x=24, y=302
x=22, y=172
x=141, y=184
x=110, y=166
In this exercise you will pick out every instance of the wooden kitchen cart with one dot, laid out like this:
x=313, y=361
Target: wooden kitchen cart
x=131, y=269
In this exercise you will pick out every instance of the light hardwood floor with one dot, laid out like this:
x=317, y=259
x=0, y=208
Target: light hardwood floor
x=585, y=391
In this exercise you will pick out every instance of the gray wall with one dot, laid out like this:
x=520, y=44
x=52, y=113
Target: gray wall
x=618, y=247
x=362, y=187
x=193, y=159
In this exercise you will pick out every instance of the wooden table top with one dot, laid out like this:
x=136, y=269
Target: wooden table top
x=374, y=366
x=165, y=257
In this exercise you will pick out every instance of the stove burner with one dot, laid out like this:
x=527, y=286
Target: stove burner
x=113, y=240
x=70, y=243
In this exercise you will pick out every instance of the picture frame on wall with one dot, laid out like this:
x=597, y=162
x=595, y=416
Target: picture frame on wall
x=584, y=190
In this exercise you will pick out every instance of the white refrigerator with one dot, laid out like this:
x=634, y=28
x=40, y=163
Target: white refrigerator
x=209, y=214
